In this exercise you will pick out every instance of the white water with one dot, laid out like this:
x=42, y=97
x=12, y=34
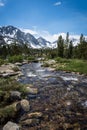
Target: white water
x=69, y=78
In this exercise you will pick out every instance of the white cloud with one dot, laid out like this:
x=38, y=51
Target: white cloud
x=48, y=36
x=29, y=31
x=57, y=3
x=1, y=3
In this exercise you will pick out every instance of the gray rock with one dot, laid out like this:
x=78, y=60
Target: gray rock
x=32, y=90
x=18, y=64
x=11, y=126
x=5, y=75
x=15, y=95
x=24, y=104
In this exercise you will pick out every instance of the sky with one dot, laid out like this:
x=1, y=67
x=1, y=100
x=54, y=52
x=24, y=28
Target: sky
x=47, y=18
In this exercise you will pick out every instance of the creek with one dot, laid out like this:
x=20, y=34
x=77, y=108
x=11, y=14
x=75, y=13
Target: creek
x=62, y=96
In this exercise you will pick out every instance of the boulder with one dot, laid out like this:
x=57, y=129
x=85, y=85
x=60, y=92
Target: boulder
x=11, y=126
x=24, y=104
x=15, y=95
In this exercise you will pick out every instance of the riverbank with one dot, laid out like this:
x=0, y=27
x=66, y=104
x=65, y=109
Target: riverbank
x=68, y=65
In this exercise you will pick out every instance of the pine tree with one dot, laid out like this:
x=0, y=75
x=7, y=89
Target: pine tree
x=82, y=47
x=66, y=47
x=60, y=46
x=70, y=50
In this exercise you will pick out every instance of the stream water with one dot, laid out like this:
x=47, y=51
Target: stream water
x=62, y=97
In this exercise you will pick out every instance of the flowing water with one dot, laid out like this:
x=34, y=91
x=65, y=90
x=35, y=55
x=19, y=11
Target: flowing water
x=62, y=97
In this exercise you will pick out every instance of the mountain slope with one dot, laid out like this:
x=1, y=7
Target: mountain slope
x=12, y=34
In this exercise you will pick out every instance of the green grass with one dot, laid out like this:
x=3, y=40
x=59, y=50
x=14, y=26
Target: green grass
x=7, y=109
x=1, y=61
x=15, y=58
x=31, y=58
x=7, y=85
x=72, y=65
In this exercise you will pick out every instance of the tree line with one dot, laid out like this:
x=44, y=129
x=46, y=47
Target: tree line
x=66, y=49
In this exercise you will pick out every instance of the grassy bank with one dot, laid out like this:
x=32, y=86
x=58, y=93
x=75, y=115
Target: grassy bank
x=72, y=65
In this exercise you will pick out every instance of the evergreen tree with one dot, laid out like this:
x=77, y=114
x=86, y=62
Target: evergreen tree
x=66, y=46
x=70, y=50
x=82, y=47
x=60, y=46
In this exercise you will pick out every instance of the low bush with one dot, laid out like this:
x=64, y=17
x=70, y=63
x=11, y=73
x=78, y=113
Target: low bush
x=15, y=58
x=1, y=61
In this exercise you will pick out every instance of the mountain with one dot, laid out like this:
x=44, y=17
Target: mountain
x=12, y=34
x=2, y=41
x=44, y=43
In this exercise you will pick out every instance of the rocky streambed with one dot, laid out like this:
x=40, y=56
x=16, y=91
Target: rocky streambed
x=57, y=100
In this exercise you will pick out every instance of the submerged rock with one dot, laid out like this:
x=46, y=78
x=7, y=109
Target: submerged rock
x=30, y=122
x=32, y=115
x=32, y=90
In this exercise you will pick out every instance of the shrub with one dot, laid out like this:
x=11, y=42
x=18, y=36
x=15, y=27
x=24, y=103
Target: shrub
x=62, y=60
x=45, y=64
x=15, y=58
x=1, y=61
x=30, y=58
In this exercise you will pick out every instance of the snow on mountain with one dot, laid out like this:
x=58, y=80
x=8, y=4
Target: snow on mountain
x=12, y=34
x=43, y=42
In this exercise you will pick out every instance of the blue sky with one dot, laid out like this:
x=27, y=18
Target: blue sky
x=51, y=16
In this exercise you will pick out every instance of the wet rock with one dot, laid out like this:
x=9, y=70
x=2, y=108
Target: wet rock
x=35, y=115
x=32, y=90
x=11, y=126
x=30, y=122
x=15, y=95
x=31, y=96
x=51, y=62
x=24, y=104
x=18, y=64
x=68, y=103
x=5, y=75
x=67, y=126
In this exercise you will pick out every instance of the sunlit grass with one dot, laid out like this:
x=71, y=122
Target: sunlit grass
x=73, y=65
